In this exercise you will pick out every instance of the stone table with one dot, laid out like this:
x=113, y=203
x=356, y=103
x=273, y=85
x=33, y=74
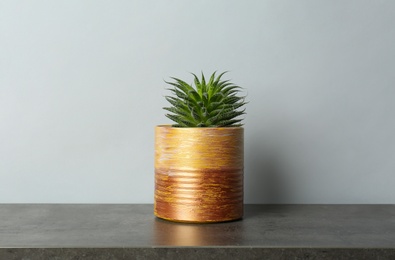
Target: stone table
x=130, y=231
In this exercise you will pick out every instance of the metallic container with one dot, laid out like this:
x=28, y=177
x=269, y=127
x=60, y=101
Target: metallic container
x=199, y=173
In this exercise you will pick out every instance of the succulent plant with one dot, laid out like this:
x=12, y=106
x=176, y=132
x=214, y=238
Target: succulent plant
x=209, y=104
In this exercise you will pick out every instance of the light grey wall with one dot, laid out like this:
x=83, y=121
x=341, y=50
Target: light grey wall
x=81, y=89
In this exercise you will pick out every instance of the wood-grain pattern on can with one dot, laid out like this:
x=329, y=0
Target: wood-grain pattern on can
x=199, y=174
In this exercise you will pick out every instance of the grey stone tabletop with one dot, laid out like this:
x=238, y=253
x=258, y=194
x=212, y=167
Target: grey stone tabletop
x=131, y=231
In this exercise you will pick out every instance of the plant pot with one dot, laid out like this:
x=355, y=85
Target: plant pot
x=199, y=173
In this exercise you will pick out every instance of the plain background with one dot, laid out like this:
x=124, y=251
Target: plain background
x=82, y=88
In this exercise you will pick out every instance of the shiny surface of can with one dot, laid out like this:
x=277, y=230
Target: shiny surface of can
x=199, y=174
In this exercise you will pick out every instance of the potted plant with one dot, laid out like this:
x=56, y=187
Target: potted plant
x=199, y=160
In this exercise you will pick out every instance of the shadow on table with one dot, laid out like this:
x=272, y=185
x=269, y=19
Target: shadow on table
x=209, y=234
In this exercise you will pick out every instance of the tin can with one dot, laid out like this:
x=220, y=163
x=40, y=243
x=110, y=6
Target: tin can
x=199, y=173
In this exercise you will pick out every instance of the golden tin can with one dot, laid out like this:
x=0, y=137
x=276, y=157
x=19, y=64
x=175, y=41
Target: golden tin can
x=199, y=173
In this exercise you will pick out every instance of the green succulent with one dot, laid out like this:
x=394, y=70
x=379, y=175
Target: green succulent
x=209, y=104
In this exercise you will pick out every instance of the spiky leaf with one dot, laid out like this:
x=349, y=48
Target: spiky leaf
x=212, y=103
